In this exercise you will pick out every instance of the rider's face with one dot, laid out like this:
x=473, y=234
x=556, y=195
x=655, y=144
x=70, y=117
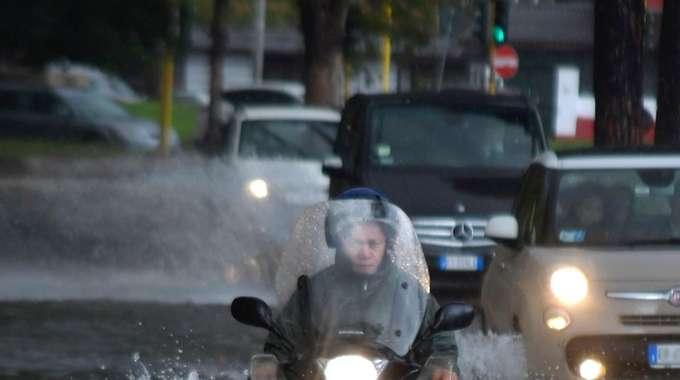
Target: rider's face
x=365, y=247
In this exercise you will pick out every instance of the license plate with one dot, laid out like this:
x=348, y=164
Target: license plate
x=461, y=263
x=664, y=355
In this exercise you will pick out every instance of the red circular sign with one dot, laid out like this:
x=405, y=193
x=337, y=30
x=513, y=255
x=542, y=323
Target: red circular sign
x=505, y=61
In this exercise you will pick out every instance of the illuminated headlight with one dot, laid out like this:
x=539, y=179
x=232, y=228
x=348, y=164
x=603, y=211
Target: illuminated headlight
x=569, y=285
x=591, y=369
x=557, y=319
x=258, y=188
x=352, y=367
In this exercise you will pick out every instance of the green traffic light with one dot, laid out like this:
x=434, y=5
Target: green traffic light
x=498, y=35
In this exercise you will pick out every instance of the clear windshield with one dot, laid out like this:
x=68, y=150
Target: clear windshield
x=451, y=137
x=614, y=207
x=351, y=292
x=293, y=139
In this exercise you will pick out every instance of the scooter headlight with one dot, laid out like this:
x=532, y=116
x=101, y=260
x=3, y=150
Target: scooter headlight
x=352, y=367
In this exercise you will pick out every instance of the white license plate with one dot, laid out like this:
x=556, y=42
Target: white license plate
x=461, y=263
x=664, y=355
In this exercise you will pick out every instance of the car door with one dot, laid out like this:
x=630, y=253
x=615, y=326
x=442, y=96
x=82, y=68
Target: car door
x=50, y=118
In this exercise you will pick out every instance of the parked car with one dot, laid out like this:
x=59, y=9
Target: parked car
x=265, y=94
x=450, y=159
x=250, y=96
x=587, y=268
x=34, y=111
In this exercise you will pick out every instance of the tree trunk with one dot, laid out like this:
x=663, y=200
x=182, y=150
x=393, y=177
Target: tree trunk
x=213, y=137
x=668, y=96
x=183, y=43
x=323, y=28
x=618, y=72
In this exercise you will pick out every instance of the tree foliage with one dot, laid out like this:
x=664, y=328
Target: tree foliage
x=119, y=35
x=241, y=12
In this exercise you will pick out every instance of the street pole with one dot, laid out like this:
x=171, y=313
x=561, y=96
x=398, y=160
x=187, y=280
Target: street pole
x=260, y=28
x=386, y=50
x=167, y=79
x=445, y=52
x=492, y=48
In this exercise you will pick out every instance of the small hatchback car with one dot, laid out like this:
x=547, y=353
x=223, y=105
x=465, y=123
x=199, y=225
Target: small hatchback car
x=588, y=269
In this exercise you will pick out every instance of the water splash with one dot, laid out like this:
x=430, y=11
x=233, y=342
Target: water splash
x=493, y=357
x=144, y=229
x=138, y=370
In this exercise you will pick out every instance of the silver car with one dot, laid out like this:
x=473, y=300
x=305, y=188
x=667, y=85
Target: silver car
x=588, y=267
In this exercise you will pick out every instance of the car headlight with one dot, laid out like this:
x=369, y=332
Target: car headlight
x=556, y=319
x=258, y=188
x=569, y=285
x=353, y=367
x=592, y=369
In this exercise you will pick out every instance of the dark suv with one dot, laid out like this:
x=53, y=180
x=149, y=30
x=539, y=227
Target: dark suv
x=450, y=159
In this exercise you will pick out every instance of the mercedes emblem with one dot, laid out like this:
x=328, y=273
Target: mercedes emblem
x=463, y=232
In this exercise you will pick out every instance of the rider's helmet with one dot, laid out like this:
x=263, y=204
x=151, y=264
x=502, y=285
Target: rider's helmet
x=371, y=207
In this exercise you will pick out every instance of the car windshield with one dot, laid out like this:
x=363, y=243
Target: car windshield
x=95, y=107
x=288, y=139
x=430, y=135
x=618, y=207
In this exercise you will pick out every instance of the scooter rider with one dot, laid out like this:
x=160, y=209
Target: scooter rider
x=361, y=285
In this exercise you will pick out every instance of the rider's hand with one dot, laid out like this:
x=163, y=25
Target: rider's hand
x=443, y=374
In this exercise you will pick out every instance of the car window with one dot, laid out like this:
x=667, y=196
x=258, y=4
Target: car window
x=45, y=104
x=613, y=207
x=451, y=137
x=94, y=106
x=295, y=139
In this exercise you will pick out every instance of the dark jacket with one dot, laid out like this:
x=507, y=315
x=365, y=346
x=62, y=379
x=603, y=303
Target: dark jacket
x=338, y=298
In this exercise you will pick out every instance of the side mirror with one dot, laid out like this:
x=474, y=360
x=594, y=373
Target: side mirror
x=502, y=228
x=332, y=166
x=452, y=317
x=252, y=311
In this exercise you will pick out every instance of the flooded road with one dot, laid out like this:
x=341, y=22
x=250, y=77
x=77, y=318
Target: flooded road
x=123, y=269
x=102, y=339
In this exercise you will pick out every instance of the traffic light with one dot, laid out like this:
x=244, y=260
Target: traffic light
x=499, y=28
x=480, y=22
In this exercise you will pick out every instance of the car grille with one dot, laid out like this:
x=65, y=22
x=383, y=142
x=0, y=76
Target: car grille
x=650, y=320
x=449, y=232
